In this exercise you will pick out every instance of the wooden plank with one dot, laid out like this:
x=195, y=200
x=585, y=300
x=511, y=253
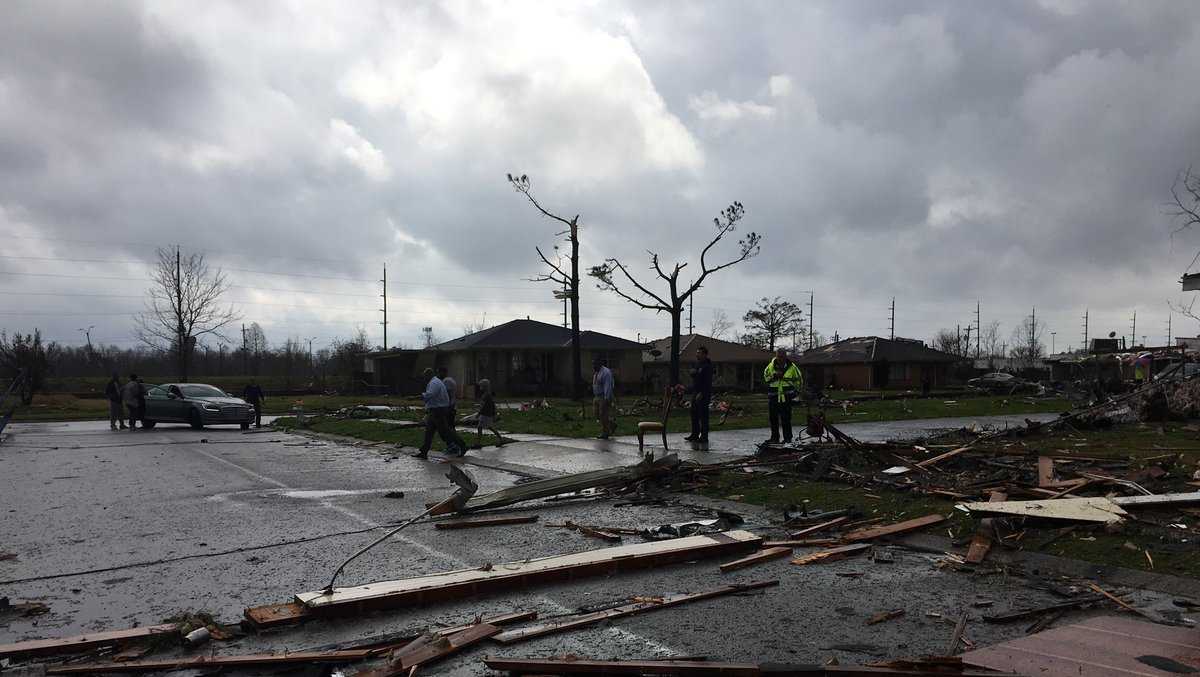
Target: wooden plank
x=199, y=662
x=756, y=558
x=832, y=554
x=1037, y=611
x=43, y=647
x=892, y=529
x=584, y=620
x=1045, y=472
x=467, y=582
x=275, y=615
x=981, y=543
x=1158, y=499
x=485, y=522
x=445, y=646
x=819, y=527
x=941, y=457
x=1089, y=509
x=802, y=543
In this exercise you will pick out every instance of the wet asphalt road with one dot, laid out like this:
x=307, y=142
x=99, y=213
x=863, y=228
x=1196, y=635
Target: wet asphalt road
x=78, y=497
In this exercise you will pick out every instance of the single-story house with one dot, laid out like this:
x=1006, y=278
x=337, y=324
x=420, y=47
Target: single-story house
x=866, y=362
x=735, y=366
x=521, y=357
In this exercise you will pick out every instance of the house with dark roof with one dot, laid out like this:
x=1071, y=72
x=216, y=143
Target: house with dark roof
x=735, y=366
x=871, y=362
x=521, y=357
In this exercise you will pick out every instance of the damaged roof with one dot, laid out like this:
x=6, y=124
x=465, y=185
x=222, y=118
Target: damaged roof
x=865, y=349
x=718, y=350
x=533, y=334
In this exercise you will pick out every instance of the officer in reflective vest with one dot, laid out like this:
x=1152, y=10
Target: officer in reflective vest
x=784, y=384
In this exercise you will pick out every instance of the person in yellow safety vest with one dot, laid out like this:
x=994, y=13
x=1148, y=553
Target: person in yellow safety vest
x=784, y=383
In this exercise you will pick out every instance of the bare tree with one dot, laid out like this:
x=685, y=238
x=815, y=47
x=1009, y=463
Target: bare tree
x=990, y=343
x=26, y=354
x=184, y=305
x=720, y=324
x=474, y=327
x=948, y=341
x=567, y=279
x=772, y=320
x=673, y=301
x=1185, y=207
x=1027, y=342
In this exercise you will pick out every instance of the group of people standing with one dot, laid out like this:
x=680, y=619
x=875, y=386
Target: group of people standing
x=130, y=397
x=784, y=381
x=441, y=413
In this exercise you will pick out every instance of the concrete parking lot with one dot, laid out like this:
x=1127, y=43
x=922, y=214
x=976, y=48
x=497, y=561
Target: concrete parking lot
x=77, y=497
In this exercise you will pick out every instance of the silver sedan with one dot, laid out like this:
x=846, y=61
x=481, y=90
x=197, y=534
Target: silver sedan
x=196, y=404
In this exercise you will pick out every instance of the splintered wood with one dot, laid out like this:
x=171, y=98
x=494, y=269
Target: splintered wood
x=982, y=541
x=893, y=529
x=467, y=582
x=757, y=558
x=832, y=554
x=584, y=620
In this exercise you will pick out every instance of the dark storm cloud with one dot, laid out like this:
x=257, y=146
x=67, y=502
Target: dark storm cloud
x=939, y=152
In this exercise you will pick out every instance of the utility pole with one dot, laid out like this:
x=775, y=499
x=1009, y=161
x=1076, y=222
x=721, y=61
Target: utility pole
x=1085, y=330
x=691, y=327
x=245, y=351
x=1133, y=330
x=384, y=295
x=958, y=339
x=1052, y=341
x=978, y=330
x=1168, y=329
x=812, y=336
x=1032, y=336
x=892, y=319
x=967, y=342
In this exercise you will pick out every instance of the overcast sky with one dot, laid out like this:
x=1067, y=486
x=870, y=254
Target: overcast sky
x=1018, y=154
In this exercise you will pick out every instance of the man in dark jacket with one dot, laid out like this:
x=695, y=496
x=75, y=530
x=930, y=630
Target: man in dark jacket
x=112, y=392
x=254, y=395
x=702, y=377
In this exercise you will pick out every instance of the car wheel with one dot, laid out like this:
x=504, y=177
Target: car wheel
x=149, y=424
x=245, y=426
x=194, y=420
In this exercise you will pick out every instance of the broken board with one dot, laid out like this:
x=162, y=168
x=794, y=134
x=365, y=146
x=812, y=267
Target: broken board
x=467, y=582
x=756, y=558
x=42, y=647
x=1089, y=509
x=584, y=620
x=893, y=529
x=982, y=541
x=485, y=522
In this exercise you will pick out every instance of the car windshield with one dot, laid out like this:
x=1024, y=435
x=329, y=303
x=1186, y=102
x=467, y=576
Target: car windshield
x=200, y=391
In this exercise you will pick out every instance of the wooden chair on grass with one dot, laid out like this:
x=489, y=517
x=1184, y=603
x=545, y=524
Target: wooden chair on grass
x=656, y=426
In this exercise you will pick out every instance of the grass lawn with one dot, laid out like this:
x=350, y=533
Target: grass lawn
x=1171, y=551
x=568, y=419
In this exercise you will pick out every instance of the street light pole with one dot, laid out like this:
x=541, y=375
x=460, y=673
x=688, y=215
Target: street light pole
x=1052, y=341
